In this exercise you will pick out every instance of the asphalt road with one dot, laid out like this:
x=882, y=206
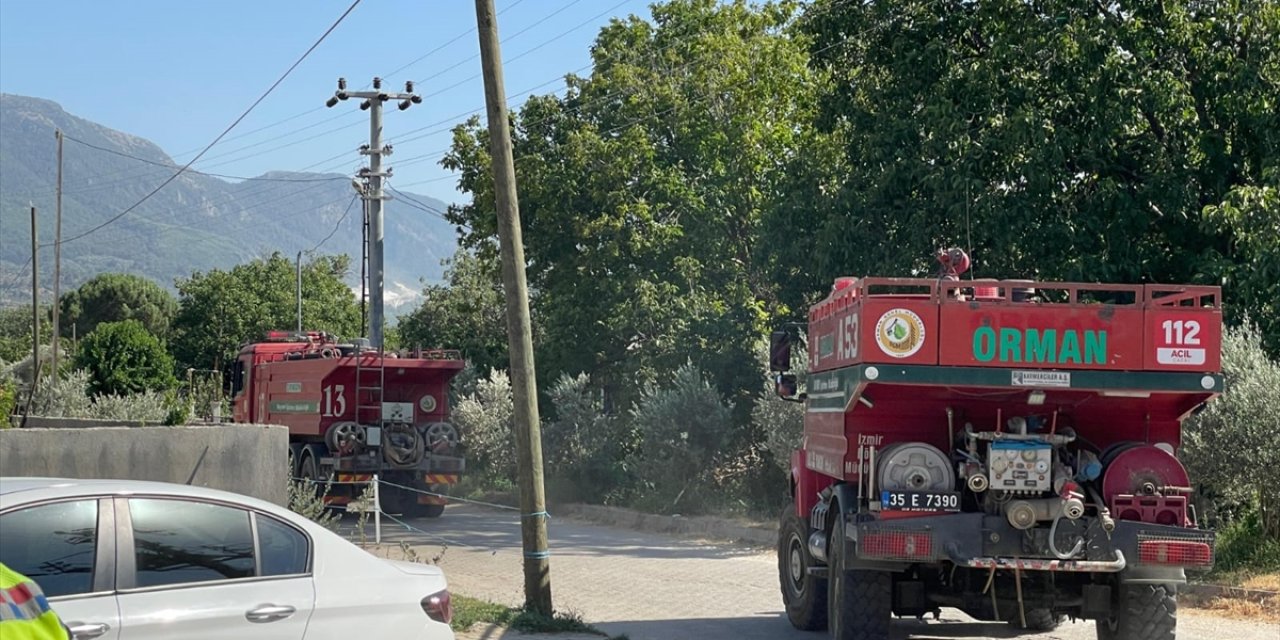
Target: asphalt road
x=655, y=587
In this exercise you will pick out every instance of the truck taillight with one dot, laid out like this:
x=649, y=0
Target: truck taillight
x=1184, y=553
x=438, y=606
x=896, y=545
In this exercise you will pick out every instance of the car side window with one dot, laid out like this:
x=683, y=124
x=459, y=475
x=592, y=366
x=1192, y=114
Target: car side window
x=53, y=544
x=283, y=550
x=177, y=542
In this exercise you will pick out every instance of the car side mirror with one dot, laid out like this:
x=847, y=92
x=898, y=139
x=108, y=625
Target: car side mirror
x=780, y=351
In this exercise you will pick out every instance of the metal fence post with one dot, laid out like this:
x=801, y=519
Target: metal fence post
x=377, y=512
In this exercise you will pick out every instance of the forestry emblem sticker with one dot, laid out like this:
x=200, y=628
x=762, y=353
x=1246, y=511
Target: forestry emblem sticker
x=900, y=333
x=427, y=403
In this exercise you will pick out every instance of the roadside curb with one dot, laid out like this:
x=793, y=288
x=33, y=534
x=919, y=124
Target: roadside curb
x=1223, y=591
x=755, y=535
x=490, y=631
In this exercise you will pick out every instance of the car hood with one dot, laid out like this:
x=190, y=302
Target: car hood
x=417, y=568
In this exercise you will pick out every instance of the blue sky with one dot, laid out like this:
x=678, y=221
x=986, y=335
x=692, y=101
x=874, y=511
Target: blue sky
x=178, y=72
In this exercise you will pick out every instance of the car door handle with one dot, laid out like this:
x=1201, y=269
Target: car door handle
x=269, y=613
x=87, y=630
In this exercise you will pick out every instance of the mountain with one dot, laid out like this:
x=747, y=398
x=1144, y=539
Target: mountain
x=197, y=222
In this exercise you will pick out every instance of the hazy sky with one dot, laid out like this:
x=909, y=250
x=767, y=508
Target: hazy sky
x=178, y=72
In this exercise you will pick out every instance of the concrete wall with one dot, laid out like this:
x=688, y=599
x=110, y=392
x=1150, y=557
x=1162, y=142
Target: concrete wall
x=247, y=459
x=45, y=422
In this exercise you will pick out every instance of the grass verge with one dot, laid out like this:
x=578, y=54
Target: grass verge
x=1264, y=608
x=471, y=611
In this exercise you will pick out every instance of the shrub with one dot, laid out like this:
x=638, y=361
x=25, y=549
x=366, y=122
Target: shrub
x=1242, y=546
x=780, y=422
x=65, y=397
x=307, y=500
x=123, y=358
x=1233, y=447
x=682, y=427
x=146, y=406
x=484, y=419
x=584, y=449
x=8, y=399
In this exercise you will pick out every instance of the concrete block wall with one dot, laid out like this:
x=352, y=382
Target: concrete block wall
x=247, y=459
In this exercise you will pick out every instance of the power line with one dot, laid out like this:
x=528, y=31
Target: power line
x=509, y=38
x=434, y=126
x=342, y=127
x=308, y=112
x=169, y=165
x=418, y=204
x=225, y=131
x=336, y=226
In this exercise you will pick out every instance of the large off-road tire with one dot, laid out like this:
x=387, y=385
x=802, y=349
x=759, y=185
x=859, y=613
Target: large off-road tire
x=1038, y=620
x=803, y=595
x=428, y=510
x=859, y=602
x=309, y=471
x=1143, y=612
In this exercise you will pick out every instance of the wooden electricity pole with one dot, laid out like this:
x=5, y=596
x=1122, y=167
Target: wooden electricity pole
x=57, y=258
x=533, y=521
x=35, y=302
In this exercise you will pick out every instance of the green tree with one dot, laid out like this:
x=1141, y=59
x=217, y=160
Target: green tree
x=115, y=297
x=1251, y=216
x=218, y=311
x=467, y=312
x=124, y=358
x=15, y=332
x=642, y=192
x=1240, y=426
x=1058, y=139
x=684, y=429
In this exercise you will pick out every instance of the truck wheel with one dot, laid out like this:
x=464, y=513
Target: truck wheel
x=859, y=602
x=804, y=595
x=429, y=510
x=309, y=471
x=1144, y=612
x=1038, y=620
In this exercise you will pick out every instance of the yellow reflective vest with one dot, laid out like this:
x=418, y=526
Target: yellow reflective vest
x=24, y=611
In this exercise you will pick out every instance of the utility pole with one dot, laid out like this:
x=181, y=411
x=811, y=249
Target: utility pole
x=373, y=197
x=35, y=303
x=57, y=257
x=533, y=524
x=362, y=187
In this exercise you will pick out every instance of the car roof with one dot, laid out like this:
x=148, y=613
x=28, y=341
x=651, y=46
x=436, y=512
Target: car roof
x=68, y=487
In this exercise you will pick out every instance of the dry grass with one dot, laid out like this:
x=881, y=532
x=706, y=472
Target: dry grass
x=1265, y=609
x=1262, y=582
x=1263, y=606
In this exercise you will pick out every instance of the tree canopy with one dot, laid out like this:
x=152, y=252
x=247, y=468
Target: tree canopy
x=1101, y=142
x=642, y=191
x=115, y=297
x=123, y=358
x=467, y=312
x=218, y=310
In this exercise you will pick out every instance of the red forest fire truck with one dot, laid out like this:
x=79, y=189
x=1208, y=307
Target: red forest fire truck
x=1007, y=448
x=353, y=411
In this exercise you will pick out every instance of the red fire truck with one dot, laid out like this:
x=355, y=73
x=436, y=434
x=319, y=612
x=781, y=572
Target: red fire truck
x=353, y=412
x=1008, y=448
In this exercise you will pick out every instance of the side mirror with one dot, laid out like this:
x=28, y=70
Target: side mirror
x=780, y=351
x=785, y=386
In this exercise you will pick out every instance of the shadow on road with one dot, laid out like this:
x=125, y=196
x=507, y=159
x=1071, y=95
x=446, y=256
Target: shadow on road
x=775, y=625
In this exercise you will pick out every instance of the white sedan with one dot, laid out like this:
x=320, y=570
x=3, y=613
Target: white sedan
x=143, y=560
